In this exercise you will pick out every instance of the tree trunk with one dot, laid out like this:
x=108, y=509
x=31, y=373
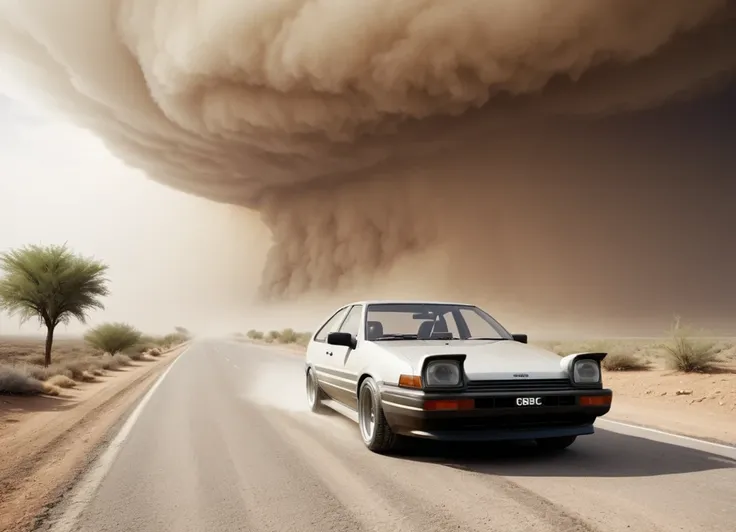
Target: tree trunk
x=49, y=343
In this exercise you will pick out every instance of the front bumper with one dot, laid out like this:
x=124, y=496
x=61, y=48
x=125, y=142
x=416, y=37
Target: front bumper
x=493, y=416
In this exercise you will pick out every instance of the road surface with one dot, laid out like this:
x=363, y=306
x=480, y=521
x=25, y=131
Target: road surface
x=224, y=443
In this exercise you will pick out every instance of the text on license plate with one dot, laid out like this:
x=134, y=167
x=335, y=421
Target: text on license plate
x=529, y=401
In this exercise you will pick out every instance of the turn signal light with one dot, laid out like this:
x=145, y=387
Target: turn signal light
x=449, y=404
x=595, y=400
x=410, y=381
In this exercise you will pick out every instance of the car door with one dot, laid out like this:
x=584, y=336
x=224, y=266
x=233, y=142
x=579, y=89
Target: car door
x=320, y=354
x=345, y=376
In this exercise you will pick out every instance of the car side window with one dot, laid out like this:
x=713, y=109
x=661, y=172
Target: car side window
x=331, y=326
x=352, y=321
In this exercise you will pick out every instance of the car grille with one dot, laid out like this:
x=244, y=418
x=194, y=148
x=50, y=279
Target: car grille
x=520, y=385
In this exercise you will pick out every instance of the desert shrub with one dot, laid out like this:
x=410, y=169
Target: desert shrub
x=48, y=389
x=154, y=352
x=78, y=367
x=17, y=381
x=113, y=337
x=44, y=374
x=272, y=336
x=303, y=338
x=136, y=356
x=148, y=339
x=159, y=341
x=690, y=354
x=109, y=362
x=137, y=352
x=623, y=361
x=175, y=339
x=254, y=335
x=61, y=381
x=88, y=376
x=124, y=360
x=287, y=336
x=140, y=348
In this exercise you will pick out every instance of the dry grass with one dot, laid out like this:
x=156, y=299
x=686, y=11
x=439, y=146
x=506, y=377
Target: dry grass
x=692, y=355
x=17, y=381
x=624, y=361
x=21, y=361
x=22, y=371
x=61, y=381
x=44, y=374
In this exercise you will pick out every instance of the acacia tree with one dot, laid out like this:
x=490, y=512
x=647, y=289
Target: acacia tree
x=51, y=283
x=113, y=337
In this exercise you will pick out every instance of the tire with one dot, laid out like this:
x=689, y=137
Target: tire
x=315, y=395
x=556, y=444
x=374, y=429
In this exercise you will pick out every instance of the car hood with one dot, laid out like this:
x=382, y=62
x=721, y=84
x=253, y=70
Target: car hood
x=485, y=359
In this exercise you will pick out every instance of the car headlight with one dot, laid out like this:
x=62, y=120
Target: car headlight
x=586, y=371
x=443, y=373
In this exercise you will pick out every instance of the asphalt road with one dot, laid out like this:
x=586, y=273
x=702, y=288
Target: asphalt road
x=225, y=443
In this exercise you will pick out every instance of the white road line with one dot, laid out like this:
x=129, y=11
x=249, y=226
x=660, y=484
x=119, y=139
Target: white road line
x=87, y=487
x=728, y=451
x=722, y=460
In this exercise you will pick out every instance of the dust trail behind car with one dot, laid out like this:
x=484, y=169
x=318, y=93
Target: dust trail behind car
x=276, y=383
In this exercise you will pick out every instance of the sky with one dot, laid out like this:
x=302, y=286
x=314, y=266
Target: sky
x=60, y=184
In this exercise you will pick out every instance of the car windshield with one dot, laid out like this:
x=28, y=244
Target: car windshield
x=427, y=321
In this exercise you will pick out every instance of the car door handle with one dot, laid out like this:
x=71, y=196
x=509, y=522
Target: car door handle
x=329, y=353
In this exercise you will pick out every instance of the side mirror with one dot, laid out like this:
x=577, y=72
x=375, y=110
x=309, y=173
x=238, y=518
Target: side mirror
x=342, y=338
x=522, y=338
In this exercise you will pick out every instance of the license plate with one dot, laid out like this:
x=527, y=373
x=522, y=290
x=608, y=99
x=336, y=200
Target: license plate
x=529, y=401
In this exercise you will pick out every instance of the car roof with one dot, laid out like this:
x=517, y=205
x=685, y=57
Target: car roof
x=408, y=301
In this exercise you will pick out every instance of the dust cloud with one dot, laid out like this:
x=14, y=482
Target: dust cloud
x=525, y=155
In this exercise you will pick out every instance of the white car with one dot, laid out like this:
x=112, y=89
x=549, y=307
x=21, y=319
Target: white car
x=448, y=371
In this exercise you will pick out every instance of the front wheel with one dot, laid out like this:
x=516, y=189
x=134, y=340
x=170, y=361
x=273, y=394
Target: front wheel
x=315, y=395
x=374, y=429
x=556, y=444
